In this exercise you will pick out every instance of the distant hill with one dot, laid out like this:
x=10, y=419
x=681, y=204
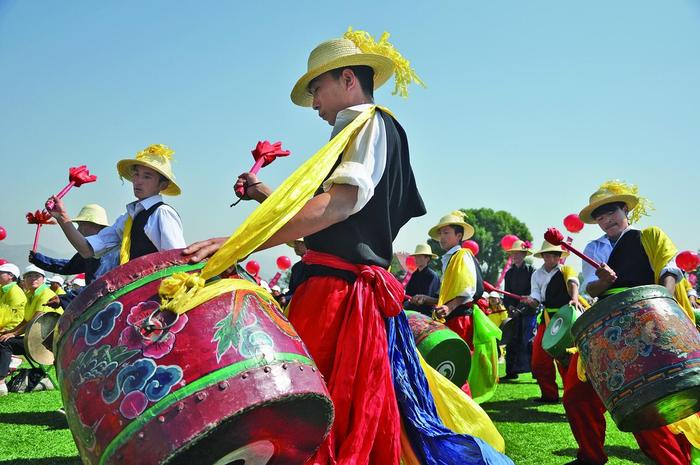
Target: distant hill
x=18, y=253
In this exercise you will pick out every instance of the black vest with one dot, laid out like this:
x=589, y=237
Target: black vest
x=467, y=308
x=556, y=295
x=140, y=243
x=630, y=262
x=366, y=237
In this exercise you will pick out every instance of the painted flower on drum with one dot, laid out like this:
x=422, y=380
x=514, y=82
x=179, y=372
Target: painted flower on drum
x=150, y=330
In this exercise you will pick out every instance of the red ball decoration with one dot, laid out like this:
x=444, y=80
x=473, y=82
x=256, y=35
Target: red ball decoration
x=573, y=223
x=3, y=233
x=688, y=261
x=252, y=267
x=473, y=246
x=3, y=261
x=508, y=240
x=411, y=264
x=283, y=263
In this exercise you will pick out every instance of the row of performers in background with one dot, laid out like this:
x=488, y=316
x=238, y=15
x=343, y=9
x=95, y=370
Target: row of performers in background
x=630, y=257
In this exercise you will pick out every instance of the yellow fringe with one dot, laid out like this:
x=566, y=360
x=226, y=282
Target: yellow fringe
x=643, y=208
x=158, y=150
x=403, y=73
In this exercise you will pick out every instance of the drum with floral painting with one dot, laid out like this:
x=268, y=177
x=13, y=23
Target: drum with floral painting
x=226, y=382
x=641, y=353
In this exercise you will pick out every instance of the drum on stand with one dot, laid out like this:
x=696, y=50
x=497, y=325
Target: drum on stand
x=38, y=338
x=228, y=382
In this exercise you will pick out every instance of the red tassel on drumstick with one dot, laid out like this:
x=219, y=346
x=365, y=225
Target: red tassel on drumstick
x=39, y=218
x=77, y=176
x=264, y=153
x=554, y=236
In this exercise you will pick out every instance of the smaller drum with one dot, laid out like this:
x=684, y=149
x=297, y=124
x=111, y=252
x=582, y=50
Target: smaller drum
x=38, y=338
x=642, y=356
x=509, y=330
x=557, y=336
x=441, y=347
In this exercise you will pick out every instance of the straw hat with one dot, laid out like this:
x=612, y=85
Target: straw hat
x=92, y=213
x=455, y=218
x=338, y=53
x=10, y=268
x=612, y=192
x=549, y=247
x=424, y=249
x=157, y=157
x=34, y=269
x=520, y=246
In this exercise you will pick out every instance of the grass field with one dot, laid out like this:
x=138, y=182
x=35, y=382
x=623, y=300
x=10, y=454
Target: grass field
x=32, y=432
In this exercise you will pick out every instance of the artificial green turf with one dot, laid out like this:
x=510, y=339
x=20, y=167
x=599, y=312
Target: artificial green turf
x=32, y=432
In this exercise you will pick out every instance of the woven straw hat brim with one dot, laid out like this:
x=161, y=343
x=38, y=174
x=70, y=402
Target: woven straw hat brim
x=527, y=251
x=383, y=69
x=92, y=214
x=586, y=214
x=434, y=232
x=551, y=248
x=430, y=254
x=124, y=169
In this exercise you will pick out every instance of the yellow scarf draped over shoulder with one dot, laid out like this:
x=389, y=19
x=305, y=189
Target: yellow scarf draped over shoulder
x=457, y=277
x=179, y=292
x=660, y=250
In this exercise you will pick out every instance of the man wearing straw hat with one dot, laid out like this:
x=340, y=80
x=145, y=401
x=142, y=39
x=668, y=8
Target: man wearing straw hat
x=149, y=225
x=424, y=284
x=627, y=257
x=552, y=286
x=361, y=200
x=461, y=276
x=517, y=280
x=91, y=219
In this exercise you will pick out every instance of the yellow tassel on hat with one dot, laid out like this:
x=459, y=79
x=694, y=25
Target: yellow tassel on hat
x=158, y=150
x=618, y=187
x=403, y=73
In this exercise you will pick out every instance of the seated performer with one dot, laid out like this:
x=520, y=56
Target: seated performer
x=40, y=299
x=553, y=286
x=631, y=258
x=496, y=311
x=91, y=220
x=517, y=281
x=12, y=298
x=424, y=282
x=148, y=226
x=342, y=308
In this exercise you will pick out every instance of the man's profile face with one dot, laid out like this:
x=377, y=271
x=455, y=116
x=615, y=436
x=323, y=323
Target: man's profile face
x=422, y=260
x=449, y=238
x=518, y=257
x=329, y=96
x=614, y=222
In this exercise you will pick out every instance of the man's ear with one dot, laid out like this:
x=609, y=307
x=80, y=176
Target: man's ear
x=163, y=185
x=348, y=77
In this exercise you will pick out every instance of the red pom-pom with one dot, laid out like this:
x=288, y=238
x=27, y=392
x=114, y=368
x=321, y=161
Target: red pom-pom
x=688, y=261
x=80, y=175
x=554, y=236
x=268, y=151
x=252, y=267
x=411, y=264
x=471, y=245
x=508, y=240
x=283, y=263
x=3, y=233
x=573, y=223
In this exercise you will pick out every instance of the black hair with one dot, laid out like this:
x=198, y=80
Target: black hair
x=607, y=208
x=457, y=229
x=364, y=74
x=558, y=254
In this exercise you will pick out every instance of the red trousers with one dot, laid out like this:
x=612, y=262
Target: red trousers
x=343, y=329
x=585, y=412
x=543, y=367
x=462, y=325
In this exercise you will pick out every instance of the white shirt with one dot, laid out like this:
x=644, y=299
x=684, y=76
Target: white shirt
x=600, y=250
x=364, y=159
x=540, y=280
x=469, y=291
x=163, y=228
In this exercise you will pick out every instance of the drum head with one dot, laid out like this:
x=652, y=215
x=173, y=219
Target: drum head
x=509, y=330
x=38, y=338
x=557, y=336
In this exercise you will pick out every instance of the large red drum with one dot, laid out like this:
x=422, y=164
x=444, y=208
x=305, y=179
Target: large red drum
x=228, y=382
x=642, y=356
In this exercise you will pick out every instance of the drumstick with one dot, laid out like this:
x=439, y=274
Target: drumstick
x=554, y=236
x=264, y=153
x=490, y=288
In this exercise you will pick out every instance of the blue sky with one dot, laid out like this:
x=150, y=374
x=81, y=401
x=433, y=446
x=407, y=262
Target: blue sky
x=529, y=105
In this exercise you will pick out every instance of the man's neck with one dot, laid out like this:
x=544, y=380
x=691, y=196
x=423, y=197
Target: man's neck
x=421, y=268
x=549, y=270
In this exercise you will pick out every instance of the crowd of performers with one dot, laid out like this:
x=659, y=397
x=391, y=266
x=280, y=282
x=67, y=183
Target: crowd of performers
x=390, y=407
